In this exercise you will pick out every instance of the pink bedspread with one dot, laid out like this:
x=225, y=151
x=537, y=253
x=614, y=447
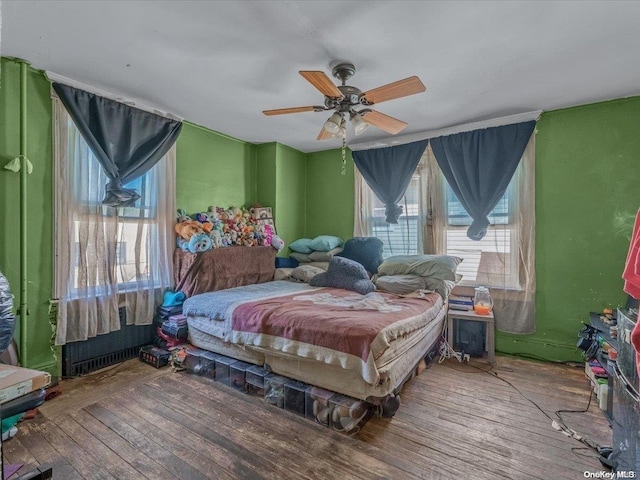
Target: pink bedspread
x=331, y=325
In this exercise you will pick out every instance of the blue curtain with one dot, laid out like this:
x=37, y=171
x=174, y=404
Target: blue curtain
x=479, y=165
x=388, y=172
x=127, y=141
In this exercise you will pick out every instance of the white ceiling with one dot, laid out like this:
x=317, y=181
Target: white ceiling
x=220, y=63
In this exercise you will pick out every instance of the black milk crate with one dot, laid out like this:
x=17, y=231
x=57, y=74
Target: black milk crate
x=154, y=356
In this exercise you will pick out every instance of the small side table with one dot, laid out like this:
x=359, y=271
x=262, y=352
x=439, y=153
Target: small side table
x=474, y=317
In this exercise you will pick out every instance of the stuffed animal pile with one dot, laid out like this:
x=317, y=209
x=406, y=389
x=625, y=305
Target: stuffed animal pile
x=220, y=227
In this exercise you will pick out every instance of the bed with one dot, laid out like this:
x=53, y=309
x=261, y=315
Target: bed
x=363, y=346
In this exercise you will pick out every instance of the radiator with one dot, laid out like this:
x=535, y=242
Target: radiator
x=80, y=358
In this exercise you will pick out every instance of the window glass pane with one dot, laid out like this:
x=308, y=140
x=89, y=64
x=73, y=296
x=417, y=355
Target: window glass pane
x=457, y=215
x=99, y=259
x=401, y=238
x=489, y=261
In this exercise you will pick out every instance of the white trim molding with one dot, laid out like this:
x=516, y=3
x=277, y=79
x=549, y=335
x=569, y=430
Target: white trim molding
x=414, y=137
x=54, y=77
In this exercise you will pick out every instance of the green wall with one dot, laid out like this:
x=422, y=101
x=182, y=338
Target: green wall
x=281, y=186
x=213, y=170
x=587, y=194
x=290, y=205
x=329, y=195
x=39, y=207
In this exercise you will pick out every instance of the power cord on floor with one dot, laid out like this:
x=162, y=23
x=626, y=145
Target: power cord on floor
x=558, y=424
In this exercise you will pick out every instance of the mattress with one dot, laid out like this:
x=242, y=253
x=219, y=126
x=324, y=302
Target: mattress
x=362, y=346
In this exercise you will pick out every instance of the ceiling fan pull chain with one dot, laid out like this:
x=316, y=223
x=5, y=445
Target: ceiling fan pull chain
x=344, y=148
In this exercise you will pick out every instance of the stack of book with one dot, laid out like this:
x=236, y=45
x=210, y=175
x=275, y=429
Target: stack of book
x=460, y=302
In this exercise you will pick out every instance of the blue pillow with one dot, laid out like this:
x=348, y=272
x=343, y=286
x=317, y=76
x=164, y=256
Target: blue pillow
x=324, y=243
x=367, y=251
x=301, y=245
x=344, y=273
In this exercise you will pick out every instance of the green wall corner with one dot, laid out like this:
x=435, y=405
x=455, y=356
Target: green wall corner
x=213, y=170
x=329, y=195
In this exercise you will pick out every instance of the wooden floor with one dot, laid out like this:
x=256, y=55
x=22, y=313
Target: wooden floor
x=456, y=421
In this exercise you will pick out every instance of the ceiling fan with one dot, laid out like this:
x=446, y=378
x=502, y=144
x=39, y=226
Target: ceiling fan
x=344, y=99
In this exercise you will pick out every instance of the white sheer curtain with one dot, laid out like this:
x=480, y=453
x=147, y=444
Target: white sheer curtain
x=107, y=258
x=363, y=212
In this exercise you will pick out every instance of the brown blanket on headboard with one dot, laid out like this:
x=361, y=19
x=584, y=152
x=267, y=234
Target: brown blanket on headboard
x=221, y=268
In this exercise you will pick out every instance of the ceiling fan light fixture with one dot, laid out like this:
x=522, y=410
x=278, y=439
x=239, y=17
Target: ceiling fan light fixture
x=359, y=125
x=333, y=123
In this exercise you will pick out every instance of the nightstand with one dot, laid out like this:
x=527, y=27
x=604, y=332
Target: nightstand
x=490, y=344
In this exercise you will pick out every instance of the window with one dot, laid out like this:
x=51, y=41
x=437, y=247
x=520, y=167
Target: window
x=121, y=238
x=434, y=221
x=107, y=258
x=403, y=238
x=489, y=261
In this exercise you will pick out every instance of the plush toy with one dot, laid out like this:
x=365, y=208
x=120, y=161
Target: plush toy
x=277, y=242
x=199, y=243
x=188, y=228
x=182, y=216
x=236, y=214
x=268, y=235
x=202, y=217
x=216, y=238
x=182, y=244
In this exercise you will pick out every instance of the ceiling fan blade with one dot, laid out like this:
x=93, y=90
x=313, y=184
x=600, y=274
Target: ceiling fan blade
x=401, y=88
x=282, y=111
x=384, y=122
x=324, y=134
x=322, y=82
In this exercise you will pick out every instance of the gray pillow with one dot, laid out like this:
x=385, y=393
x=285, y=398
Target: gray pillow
x=300, y=257
x=440, y=267
x=400, y=284
x=304, y=273
x=367, y=251
x=324, y=256
x=344, y=273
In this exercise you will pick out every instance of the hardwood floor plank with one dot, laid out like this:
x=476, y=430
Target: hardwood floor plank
x=304, y=435
x=70, y=450
x=31, y=435
x=231, y=456
x=94, y=449
x=455, y=422
x=137, y=459
x=267, y=426
x=143, y=442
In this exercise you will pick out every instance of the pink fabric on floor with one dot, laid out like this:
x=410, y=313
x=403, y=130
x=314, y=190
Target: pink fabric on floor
x=11, y=468
x=635, y=341
x=631, y=274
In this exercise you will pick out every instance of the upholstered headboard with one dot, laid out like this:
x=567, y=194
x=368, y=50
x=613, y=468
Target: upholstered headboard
x=221, y=268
